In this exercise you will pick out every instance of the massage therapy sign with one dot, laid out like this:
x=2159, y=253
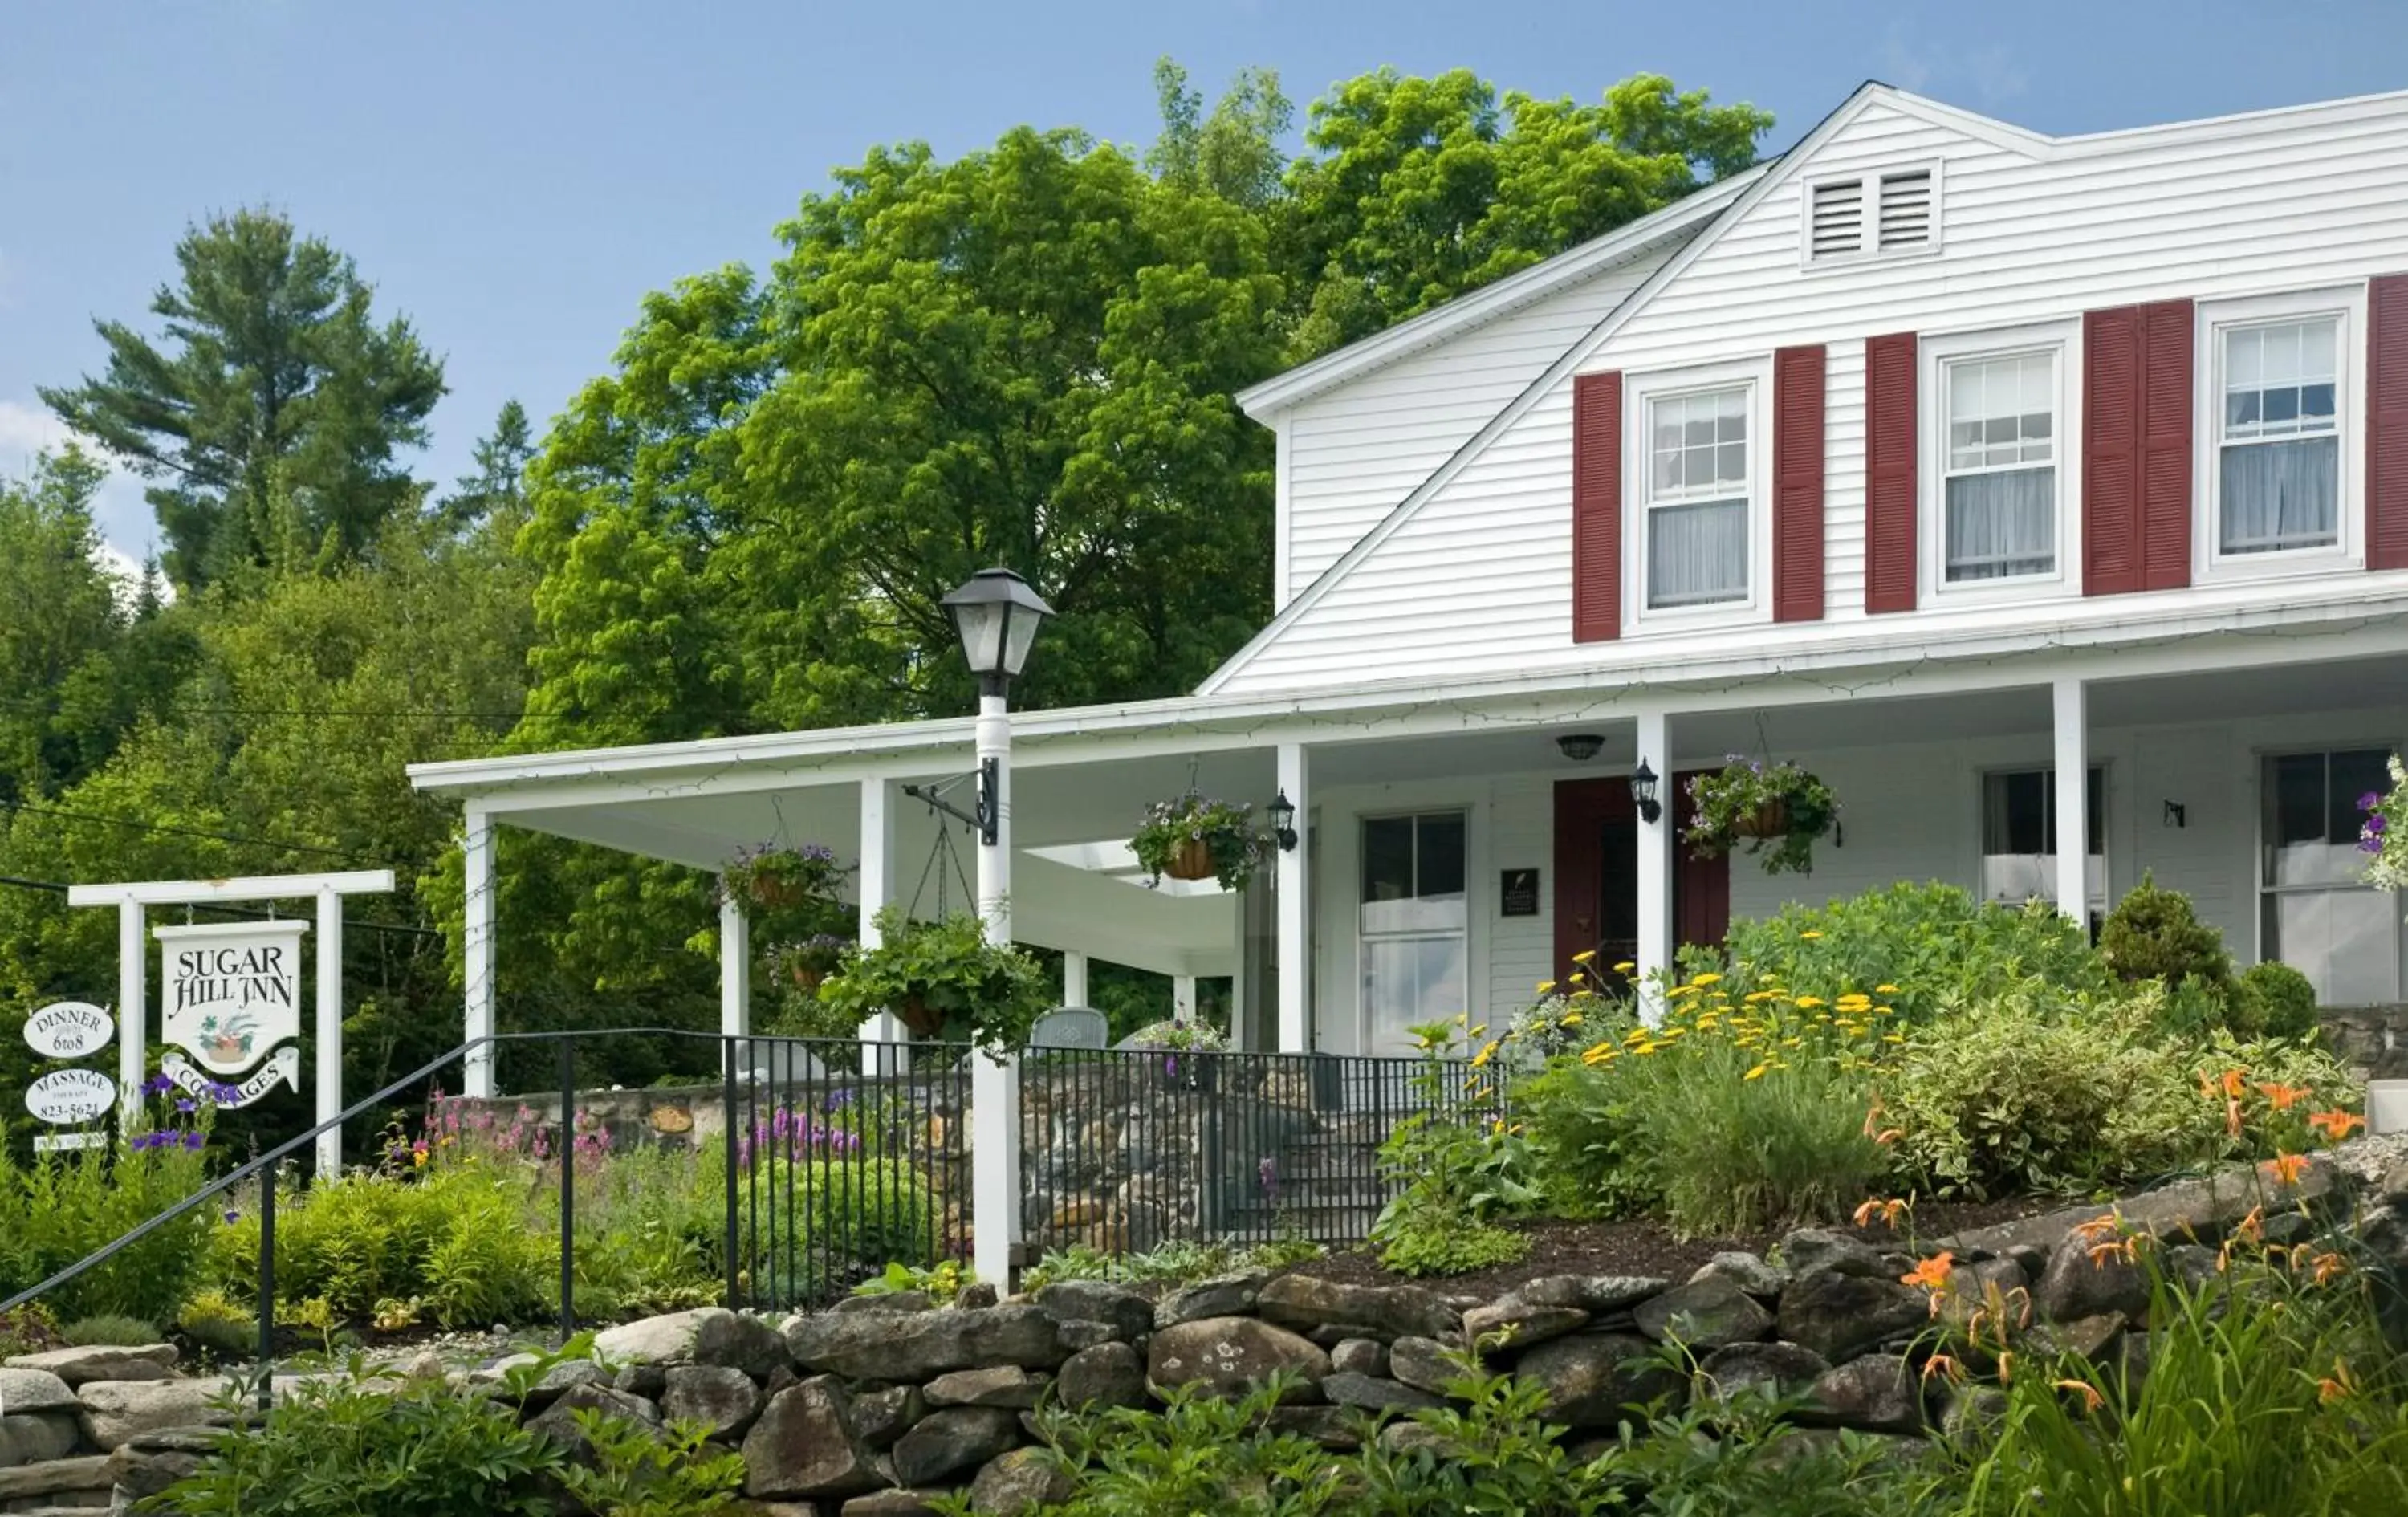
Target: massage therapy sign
x=230, y=995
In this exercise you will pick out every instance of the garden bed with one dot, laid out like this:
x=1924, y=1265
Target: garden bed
x=1645, y=1247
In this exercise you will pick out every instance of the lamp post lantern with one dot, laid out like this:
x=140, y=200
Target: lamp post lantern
x=998, y=615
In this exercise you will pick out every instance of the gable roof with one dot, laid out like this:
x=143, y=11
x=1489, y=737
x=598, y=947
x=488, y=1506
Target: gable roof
x=1504, y=296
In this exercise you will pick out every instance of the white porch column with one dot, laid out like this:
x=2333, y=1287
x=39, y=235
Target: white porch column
x=873, y=886
x=1292, y=879
x=330, y=1031
x=994, y=1087
x=735, y=970
x=133, y=1011
x=1182, y=997
x=477, y=949
x=2072, y=795
x=1656, y=865
x=1074, y=978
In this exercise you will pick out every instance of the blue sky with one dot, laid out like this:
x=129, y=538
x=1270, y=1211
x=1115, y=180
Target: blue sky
x=515, y=174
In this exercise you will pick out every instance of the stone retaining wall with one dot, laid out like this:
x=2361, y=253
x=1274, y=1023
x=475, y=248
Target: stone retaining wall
x=871, y=1409
x=2374, y=1039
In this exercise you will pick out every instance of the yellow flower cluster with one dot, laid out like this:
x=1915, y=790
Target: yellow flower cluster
x=1768, y=1020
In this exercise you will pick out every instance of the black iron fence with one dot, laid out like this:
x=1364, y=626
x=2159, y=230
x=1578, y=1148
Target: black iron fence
x=1125, y=1149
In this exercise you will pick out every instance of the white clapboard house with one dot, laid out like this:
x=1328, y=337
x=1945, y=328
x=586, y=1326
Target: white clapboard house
x=2048, y=497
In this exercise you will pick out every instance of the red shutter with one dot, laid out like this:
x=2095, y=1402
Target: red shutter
x=2137, y=401
x=1797, y=484
x=2166, y=462
x=2386, y=422
x=1597, y=506
x=1890, y=483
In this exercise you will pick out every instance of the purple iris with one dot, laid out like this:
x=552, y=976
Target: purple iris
x=2369, y=801
x=157, y=1086
x=194, y=1141
x=186, y=1107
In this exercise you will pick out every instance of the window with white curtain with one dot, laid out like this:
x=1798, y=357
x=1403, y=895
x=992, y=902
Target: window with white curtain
x=1699, y=464
x=1414, y=924
x=1998, y=468
x=2278, y=437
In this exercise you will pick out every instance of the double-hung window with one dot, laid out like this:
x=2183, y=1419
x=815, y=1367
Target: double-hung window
x=1414, y=921
x=2316, y=912
x=1699, y=480
x=1999, y=491
x=2278, y=454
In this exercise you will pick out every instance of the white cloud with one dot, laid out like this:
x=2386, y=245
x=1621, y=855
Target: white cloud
x=123, y=517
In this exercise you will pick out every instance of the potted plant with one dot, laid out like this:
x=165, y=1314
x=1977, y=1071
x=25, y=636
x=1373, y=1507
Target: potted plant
x=809, y=962
x=1779, y=808
x=1175, y=1037
x=941, y=978
x=1191, y=837
x=775, y=876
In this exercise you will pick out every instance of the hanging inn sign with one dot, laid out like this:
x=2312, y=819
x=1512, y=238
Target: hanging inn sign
x=230, y=998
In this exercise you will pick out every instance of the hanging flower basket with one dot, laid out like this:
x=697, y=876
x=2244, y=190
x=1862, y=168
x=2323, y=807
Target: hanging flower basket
x=775, y=878
x=1191, y=860
x=939, y=977
x=1191, y=838
x=1778, y=809
x=924, y=1020
x=1771, y=820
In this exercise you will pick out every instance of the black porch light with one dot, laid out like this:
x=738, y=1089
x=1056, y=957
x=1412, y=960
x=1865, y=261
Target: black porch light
x=1284, y=823
x=1642, y=793
x=997, y=614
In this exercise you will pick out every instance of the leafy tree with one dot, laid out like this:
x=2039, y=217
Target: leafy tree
x=497, y=485
x=1235, y=152
x=1415, y=190
x=271, y=415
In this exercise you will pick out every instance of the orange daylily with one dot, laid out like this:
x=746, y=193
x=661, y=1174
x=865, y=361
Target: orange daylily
x=2236, y=1083
x=2091, y=1399
x=2324, y=1266
x=2336, y=1125
x=1941, y=1363
x=1932, y=1273
x=2338, y=1385
x=2284, y=1097
x=1888, y=1211
x=2286, y=1168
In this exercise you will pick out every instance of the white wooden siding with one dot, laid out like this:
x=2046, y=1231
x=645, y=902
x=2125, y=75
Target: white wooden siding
x=1352, y=455
x=1477, y=580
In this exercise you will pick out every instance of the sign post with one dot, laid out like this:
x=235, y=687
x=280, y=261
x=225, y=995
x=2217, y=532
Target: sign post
x=234, y=977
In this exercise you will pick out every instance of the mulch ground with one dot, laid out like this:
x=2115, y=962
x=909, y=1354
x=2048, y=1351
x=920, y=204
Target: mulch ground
x=1649, y=1247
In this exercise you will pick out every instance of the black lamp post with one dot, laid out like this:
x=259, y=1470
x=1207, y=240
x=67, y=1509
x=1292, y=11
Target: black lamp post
x=1642, y=793
x=998, y=615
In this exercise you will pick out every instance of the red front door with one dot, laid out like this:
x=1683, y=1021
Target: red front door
x=1597, y=875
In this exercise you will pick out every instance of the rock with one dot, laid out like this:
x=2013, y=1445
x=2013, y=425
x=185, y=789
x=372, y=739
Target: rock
x=1128, y=1314
x=2286, y=1228
x=1592, y=1380
x=1335, y=1428
x=1005, y=1385
x=1705, y=1315
x=1423, y=1364
x=740, y=1341
x=721, y=1397
x=647, y=1380
x=1596, y=1295
x=920, y=1346
x=562, y=1378
x=115, y=1410
x=32, y=1437
x=35, y=1390
x=1810, y=1250
x=1840, y=1316
x=2030, y=1258
x=804, y=1445
x=2080, y=1283
x=2393, y=1189
x=558, y=1422
x=892, y=1504
x=1891, y=1452
x=1972, y=1409
x=1304, y=1302
x=2198, y=1210
x=1020, y=1481
x=151, y=1463
x=1344, y=1388
x=1746, y=1270
x=884, y=1302
x=1517, y=1323
x=89, y=1474
x=976, y=1296
x=956, y=1438
x=1989, y=1288
x=2191, y=1265
x=1879, y=1392
x=1229, y=1353
x=1224, y=1296
x=77, y=1367
x=1412, y=1438
x=1078, y=1335
x=2088, y=1338
x=879, y=1417
x=1783, y=1370
x=1106, y=1375
x=665, y=1339
x=1360, y=1356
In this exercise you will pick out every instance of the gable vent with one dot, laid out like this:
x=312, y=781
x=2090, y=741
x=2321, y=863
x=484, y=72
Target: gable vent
x=1906, y=210
x=1839, y=219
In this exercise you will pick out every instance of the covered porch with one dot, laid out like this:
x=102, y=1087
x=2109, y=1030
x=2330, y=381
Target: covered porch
x=1455, y=847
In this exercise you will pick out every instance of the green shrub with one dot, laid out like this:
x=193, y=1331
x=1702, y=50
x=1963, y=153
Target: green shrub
x=1454, y=1172
x=638, y=1471
x=108, y=1331
x=1734, y=1154
x=2154, y=934
x=32, y=1328
x=2258, y=1397
x=1934, y=943
x=218, y=1326
x=61, y=1206
x=1588, y=1138
x=2283, y=1001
